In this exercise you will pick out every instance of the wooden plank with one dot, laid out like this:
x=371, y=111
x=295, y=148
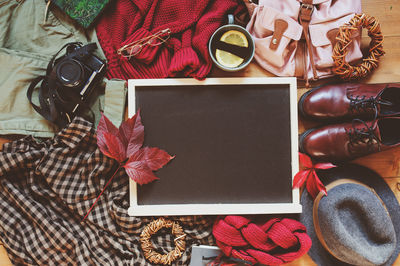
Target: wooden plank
x=4, y=260
x=389, y=67
x=387, y=12
x=385, y=163
x=2, y=141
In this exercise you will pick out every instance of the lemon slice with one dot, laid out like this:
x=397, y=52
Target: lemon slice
x=228, y=59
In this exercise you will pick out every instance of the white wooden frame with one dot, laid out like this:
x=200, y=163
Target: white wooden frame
x=223, y=209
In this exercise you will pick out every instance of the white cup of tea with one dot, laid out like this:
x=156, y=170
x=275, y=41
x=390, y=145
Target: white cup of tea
x=231, y=46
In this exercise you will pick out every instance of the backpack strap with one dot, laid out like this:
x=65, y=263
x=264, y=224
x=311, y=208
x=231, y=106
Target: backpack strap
x=306, y=10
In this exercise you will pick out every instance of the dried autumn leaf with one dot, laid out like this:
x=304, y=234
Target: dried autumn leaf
x=105, y=125
x=314, y=185
x=139, y=172
x=115, y=148
x=124, y=144
x=305, y=160
x=300, y=178
x=309, y=175
x=140, y=165
x=131, y=133
x=110, y=145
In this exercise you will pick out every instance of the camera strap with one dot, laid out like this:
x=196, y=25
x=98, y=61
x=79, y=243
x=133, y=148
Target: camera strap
x=47, y=100
x=43, y=109
x=52, y=106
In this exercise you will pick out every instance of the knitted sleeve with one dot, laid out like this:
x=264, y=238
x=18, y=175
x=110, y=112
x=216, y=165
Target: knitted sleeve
x=185, y=60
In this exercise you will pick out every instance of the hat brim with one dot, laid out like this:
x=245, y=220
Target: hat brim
x=361, y=174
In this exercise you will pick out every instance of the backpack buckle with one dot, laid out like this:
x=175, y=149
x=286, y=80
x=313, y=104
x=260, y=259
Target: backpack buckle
x=305, y=7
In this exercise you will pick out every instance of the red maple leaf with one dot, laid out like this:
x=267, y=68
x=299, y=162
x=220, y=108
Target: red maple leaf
x=309, y=175
x=124, y=144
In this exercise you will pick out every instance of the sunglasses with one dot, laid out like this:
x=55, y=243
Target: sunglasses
x=135, y=47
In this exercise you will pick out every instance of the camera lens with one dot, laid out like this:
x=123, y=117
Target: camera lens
x=70, y=73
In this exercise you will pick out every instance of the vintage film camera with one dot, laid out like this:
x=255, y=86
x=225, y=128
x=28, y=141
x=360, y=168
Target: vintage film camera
x=77, y=72
x=68, y=84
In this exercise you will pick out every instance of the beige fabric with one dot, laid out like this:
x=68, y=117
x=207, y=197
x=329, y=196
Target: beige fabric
x=28, y=40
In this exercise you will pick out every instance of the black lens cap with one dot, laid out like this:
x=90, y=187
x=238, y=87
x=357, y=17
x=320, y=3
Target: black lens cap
x=70, y=72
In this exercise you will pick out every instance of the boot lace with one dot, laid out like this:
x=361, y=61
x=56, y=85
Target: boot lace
x=364, y=135
x=362, y=103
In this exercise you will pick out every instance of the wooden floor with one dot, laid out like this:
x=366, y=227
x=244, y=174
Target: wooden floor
x=385, y=163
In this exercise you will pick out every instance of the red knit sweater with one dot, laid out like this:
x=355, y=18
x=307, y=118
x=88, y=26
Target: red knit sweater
x=192, y=22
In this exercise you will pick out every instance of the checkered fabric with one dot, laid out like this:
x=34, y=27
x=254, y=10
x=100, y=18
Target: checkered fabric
x=46, y=188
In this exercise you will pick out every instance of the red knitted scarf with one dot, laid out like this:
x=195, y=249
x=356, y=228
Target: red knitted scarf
x=275, y=242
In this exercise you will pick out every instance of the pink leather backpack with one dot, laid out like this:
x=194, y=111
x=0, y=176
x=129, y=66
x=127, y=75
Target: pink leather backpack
x=296, y=37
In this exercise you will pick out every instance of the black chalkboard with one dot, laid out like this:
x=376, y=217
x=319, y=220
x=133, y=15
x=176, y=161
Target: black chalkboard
x=233, y=143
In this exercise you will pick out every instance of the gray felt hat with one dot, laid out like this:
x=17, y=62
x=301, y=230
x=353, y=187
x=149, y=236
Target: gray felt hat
x=358, y=223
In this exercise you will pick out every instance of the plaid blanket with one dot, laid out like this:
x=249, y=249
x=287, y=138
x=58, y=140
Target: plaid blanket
x=46, y=188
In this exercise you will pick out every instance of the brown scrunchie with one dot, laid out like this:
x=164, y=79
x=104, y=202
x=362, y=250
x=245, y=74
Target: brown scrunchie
x=344, y=69
x=148, y=250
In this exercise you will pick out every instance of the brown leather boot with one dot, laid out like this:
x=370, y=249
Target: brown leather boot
x=347, y=141
x=349, y=100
